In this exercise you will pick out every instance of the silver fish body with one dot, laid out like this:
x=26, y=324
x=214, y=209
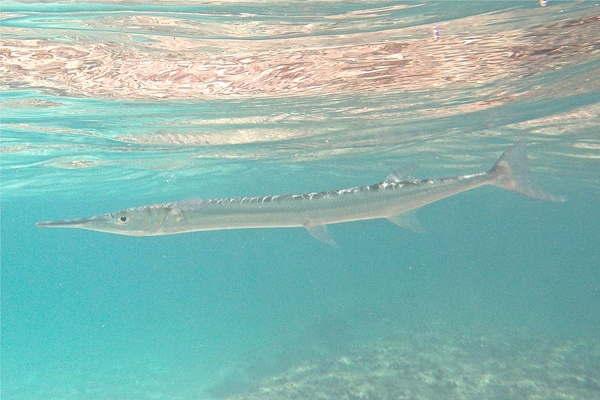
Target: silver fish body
x=394, y=199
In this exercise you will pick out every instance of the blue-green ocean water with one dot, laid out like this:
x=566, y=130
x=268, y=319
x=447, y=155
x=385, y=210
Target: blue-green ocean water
x=87, y=315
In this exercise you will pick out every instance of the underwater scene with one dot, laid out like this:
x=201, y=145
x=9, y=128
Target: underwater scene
x=312, y=200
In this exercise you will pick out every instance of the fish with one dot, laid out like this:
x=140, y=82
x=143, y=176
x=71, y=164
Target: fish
x=396, y=198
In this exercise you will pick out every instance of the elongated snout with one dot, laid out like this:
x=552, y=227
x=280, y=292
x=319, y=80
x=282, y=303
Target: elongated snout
x=81, y=223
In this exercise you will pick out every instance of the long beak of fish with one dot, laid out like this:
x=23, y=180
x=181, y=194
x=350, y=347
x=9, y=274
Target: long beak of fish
x=81, y=223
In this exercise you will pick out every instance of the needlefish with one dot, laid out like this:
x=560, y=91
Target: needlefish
x=396, y=198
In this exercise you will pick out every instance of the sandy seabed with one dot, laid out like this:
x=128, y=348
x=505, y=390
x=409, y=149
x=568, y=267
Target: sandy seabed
x=442, y=365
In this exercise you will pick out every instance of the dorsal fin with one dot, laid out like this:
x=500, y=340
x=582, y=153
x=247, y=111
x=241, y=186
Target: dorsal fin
x=401, y=174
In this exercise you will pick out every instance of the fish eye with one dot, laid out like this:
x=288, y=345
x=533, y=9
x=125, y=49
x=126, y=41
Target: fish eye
x=122, y=218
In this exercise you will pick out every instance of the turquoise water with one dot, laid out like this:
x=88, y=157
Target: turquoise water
x=111, y=105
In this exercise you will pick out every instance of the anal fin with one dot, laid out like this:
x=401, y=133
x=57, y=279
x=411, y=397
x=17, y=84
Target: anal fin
x=409, y=221
x=321, y=233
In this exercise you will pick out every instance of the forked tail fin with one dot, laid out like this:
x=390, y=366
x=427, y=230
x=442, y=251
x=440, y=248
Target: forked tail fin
x=511, y=172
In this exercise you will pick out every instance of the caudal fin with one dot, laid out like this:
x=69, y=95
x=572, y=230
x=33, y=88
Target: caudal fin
x=511, y=172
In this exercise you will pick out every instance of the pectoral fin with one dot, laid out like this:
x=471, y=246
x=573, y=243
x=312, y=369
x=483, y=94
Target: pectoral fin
x=320, y=233
x=409, y=221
